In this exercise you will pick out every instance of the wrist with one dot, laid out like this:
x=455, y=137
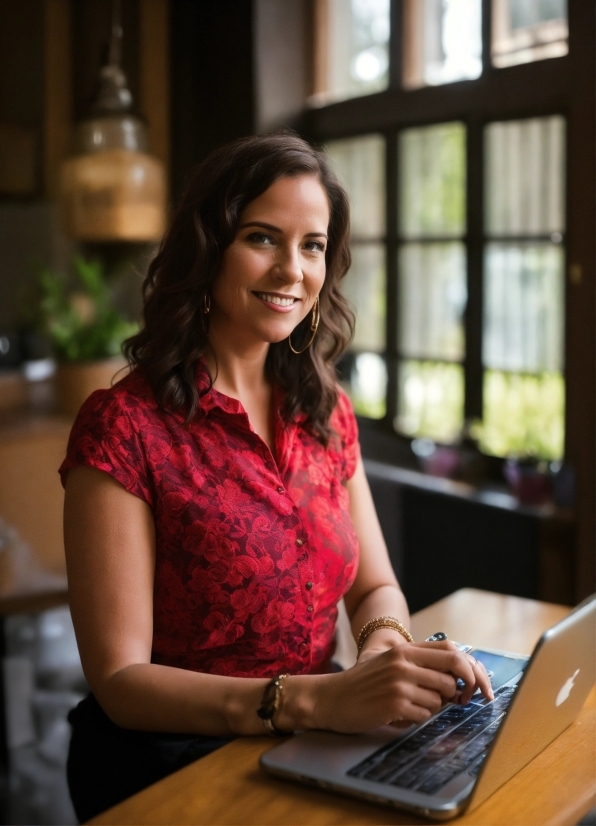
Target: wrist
x=300, y=704
x=381, y=640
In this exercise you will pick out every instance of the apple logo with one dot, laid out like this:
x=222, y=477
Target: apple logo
x=566, y=689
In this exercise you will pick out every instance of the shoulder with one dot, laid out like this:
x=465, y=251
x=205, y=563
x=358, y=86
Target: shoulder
x=343, y=421
x=109, y=433
x=343, y=418
x=129, y=398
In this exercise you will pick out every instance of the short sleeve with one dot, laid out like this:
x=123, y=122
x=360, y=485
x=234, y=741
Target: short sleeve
x=345, y=424
x=104, y=437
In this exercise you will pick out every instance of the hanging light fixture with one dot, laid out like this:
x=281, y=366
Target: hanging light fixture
x=112, y=189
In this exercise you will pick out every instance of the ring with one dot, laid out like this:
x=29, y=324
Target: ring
x=438, y=636
x=474, y=660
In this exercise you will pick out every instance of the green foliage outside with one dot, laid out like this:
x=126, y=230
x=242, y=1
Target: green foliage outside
x=523, y=415
x=368, y=408
x=433, y=187
x=80, y=319
x=431, y=400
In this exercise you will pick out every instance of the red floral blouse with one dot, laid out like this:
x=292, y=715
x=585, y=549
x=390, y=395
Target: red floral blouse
x=253, y=552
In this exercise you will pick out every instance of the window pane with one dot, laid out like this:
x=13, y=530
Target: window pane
x=368, y=385
x=432, y=299
x=432, y=181
x=523, y=415
x=528, y=30
x=351, y=48
x=442, y=41
x=431, y=400
x=364, y=287
x=360, y=166
x=523, y=307
x=525, y=176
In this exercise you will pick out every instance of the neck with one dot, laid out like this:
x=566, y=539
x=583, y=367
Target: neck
x=236, y=370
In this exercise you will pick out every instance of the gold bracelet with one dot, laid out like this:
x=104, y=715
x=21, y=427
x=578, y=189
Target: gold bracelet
x=382, y=622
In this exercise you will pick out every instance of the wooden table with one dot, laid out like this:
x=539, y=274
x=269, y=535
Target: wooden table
x=228, y=787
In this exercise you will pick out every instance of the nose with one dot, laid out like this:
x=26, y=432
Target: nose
x=288, y=266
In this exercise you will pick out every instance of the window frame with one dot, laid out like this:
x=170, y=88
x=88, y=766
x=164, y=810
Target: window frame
x=540, y=89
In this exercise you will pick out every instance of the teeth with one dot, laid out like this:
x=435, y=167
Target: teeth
x=275, y=299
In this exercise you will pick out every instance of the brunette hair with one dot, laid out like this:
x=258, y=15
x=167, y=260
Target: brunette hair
x=174, y=333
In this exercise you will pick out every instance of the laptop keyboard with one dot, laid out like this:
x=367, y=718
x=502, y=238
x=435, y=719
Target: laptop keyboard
x=455, y=741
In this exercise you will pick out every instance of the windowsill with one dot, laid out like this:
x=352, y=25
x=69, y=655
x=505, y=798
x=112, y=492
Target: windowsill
x=488, y=494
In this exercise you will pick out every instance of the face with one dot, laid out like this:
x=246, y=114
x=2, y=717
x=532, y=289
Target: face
x=274, y=269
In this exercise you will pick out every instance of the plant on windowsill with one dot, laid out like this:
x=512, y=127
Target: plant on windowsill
x=85, y=330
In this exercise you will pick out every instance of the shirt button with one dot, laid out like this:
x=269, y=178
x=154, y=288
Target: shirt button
x=310, y=609
x=309, y=585
x=280, y=489
x=300, y=542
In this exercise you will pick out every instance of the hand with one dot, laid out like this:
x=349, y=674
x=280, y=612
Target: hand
x=405, y=683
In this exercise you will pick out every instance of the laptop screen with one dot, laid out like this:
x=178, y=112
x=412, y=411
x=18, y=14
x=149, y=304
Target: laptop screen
x=501, y=668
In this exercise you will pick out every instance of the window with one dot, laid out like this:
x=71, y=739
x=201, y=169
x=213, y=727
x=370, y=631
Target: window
x=523, y=288
x=528, y=30
x=459, y=230
x=351, y=48
x=360, y=165
x=443, y=41
x=431, y=280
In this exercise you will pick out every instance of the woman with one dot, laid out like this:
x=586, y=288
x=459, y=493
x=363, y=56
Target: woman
x=216, y=505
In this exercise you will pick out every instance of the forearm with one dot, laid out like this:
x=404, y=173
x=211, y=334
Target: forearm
x=150, y=697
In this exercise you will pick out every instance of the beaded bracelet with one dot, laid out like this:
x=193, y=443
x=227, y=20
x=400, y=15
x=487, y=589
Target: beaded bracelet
x=270, y=705
x=382, y=622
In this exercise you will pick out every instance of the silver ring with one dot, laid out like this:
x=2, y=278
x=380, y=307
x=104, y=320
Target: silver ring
x=474, y=660
x=438, y=636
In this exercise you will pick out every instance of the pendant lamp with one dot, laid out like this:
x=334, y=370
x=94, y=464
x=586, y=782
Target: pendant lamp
x=112, y=189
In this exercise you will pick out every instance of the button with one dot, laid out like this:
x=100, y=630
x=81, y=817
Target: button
x=309, y=585
x=280, y=489
x=310, y=609
x=300, y=542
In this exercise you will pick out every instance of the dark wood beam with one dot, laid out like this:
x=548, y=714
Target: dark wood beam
x=532, y=89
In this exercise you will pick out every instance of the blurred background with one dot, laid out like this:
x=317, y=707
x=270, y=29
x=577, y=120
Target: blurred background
x=464, y=133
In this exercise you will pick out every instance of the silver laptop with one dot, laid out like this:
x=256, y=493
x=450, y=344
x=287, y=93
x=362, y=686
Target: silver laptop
x=463, y=754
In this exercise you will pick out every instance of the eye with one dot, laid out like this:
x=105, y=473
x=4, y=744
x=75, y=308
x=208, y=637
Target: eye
x=315, y=246
x=260, y=238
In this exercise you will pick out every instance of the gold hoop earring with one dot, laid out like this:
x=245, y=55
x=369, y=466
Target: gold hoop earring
x=206, y=303
x=314, y=325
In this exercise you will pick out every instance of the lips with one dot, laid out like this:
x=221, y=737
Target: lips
x=277, y=300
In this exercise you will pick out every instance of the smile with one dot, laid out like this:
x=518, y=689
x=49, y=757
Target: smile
x=276, y=299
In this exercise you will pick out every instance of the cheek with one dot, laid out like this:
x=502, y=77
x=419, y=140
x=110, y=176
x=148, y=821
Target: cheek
x=316, y=277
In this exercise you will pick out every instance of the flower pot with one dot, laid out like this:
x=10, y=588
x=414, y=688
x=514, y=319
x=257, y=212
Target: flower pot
x=528, y=482
x=77, y=380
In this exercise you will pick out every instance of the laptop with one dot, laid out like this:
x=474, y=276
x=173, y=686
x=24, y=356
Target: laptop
x=461, y=755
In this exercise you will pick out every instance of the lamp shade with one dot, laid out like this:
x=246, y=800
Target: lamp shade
x=113, y=195
x=111, y=189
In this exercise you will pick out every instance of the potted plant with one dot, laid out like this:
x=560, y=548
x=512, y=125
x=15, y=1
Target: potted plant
x=85, y=329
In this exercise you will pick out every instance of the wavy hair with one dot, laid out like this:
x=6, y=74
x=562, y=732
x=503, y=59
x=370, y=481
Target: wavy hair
x=174, y=335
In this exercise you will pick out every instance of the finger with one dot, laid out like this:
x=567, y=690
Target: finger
x=411, y=713
x=439, y=681
x=481, y=681
x=424, y=697
x=450, y=661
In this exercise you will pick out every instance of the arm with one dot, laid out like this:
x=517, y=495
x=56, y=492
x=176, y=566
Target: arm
x=393, y=680
x=375, y=592
x=110, y=553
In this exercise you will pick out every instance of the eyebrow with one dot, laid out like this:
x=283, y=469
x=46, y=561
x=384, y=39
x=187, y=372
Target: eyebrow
x=277, y=229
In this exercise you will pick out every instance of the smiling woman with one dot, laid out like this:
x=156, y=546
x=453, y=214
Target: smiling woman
x=271, y=204
x=216, y=505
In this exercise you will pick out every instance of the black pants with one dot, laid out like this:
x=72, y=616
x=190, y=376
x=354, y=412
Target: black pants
x=107, y=764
